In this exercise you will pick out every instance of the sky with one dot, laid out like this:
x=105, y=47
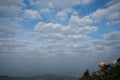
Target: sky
x=61, y=37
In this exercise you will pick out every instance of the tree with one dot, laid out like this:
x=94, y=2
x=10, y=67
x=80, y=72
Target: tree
x=118, y=60
x=86, y=75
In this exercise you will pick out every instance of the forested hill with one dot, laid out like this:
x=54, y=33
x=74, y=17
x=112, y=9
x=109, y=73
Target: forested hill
x=110, y=72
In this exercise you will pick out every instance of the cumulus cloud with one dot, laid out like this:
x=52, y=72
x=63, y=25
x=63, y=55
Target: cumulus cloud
x=11, y=8
x=81, y=22
x=9, y=28
x=51, y=37
x=77, y=37
x=13, y=46
x=93, y=46
x=111, y=13
x=65, y=13
x=71, y=31
x=45, y=10
x=58, y=4
x=32, y=14
x=110, y=43
x=53, y=28
x=87, y=29
x=48, y=32
x=78, y=28
x=56, y=33
x=97, y=46
x=47, y=27
x=112, y=36
x=8, y=42
x=6, y=32
x=8, y=2
x=116, y=22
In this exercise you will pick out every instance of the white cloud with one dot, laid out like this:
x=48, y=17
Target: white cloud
x=6, y=32
x=11, y=7
x=45, y=10
x=65, y=13
x=49, y=31
x=87, y=29
x=110, y=23
x=54, y=39
x=51, y=37
x=53, y=28
x=114, y=15
x=111, y=2
x=110, y=44
x=13, y=22
x=9, y=28
x=112, y=36
x=9, y=10
x=110, y=13
x=58, y=4
x=47, y=27
x=81, y=22
x=61, y=38
x=32, y=14
x=77, y=37
x=99, y=14
x=13, y=46
x=78, y=28
x=9, y=2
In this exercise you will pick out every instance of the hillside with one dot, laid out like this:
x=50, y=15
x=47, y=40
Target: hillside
x=110, y=72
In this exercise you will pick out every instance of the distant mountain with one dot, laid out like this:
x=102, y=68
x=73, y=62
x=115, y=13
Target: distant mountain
x=111, y=71
x=45, y=77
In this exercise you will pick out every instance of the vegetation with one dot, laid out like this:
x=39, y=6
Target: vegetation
x=86, y=75
x=118, y=60
x=111, y=72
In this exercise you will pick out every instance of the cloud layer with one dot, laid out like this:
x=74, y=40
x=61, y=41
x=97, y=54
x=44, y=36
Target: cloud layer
x=56, y=36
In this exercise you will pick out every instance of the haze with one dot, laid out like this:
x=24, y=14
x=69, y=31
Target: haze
x=60, y=37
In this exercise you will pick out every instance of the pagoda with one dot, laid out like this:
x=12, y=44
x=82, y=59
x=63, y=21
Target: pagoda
x=102, y=64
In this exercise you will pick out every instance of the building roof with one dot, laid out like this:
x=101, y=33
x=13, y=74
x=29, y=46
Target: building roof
x=101, y=64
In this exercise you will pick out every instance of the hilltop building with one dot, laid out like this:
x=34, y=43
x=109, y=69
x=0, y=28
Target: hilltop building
x=102, y=64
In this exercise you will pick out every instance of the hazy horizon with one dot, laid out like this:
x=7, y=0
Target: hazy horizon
x=58, y=37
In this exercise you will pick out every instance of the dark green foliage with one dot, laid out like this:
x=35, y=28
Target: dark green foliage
x=118, y=60
x=86, y=75
x=111, y=73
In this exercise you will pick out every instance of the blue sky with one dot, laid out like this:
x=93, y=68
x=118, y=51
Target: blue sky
x=62, y=37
